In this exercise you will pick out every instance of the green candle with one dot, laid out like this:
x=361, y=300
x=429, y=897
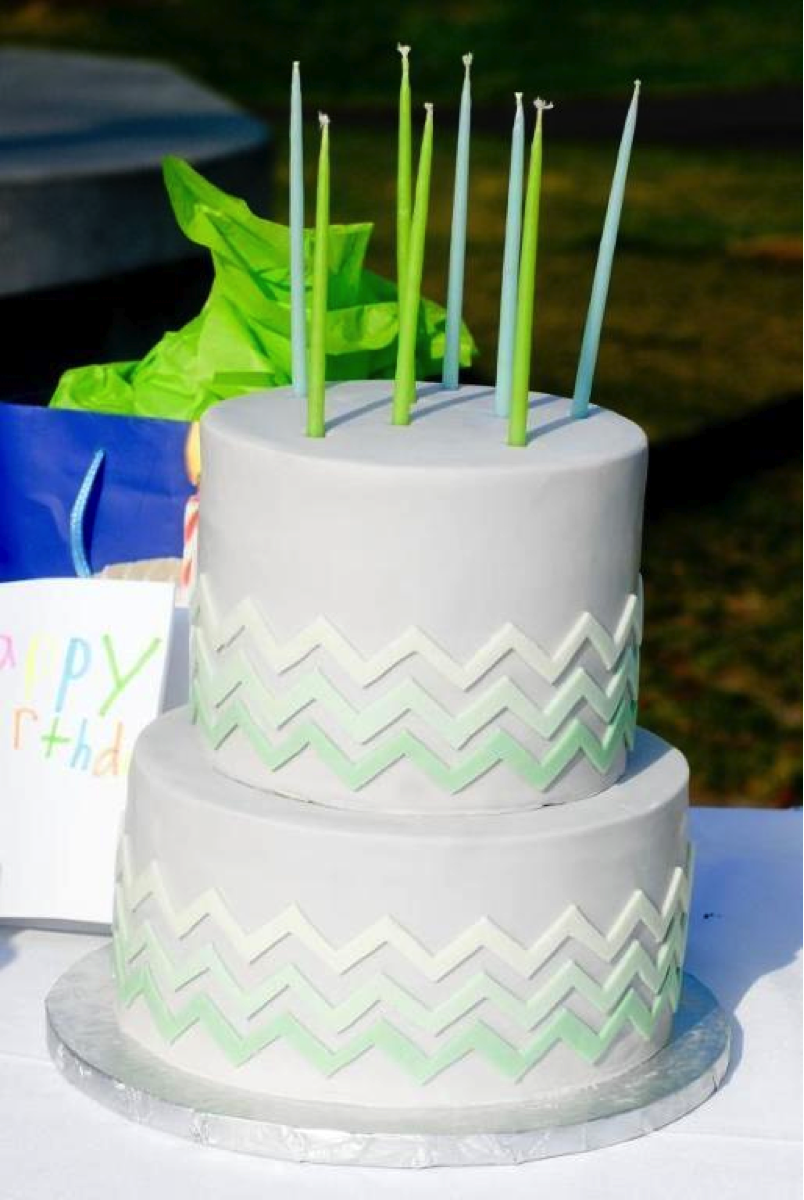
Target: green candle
x=404, y=171
x=318, y=318
x=405, y=383
x=518, y=417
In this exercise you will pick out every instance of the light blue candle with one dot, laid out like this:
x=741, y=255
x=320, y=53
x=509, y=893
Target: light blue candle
x=510, y=268
x=297, y=306
x=457, y=245
x=600, y=286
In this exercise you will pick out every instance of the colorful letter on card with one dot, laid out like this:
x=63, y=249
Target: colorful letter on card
x=82, y=670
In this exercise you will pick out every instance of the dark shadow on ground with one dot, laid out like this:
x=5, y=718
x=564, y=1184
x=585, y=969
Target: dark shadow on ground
x=687, y=472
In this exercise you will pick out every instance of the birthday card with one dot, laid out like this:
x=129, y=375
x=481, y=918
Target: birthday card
x=82, y=670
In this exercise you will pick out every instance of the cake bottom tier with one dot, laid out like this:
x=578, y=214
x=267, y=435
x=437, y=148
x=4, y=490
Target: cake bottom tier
x=398, y=961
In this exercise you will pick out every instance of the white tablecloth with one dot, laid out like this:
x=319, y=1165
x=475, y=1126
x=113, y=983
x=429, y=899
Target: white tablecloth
x=56, y=1144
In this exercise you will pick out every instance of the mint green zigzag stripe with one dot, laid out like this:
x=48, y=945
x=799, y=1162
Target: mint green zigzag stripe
x=216, y=684
x=244, y=1004
x=564, y=1026
x=245, y=621
x=500, y=747
x=484, y=934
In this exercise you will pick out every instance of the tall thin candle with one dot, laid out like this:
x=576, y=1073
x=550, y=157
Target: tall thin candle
x=318, y=320
x=404, y=174
x=518, y=416
x=600, y=286
x=457, y=246
x=510, y=268
x=298, y=338
x=405, y=383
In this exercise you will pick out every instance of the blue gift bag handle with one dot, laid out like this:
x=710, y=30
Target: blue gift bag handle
x=78, y=533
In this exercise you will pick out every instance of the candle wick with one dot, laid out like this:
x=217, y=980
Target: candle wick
x=467, y=61
x=403, y=50
x=542, y=105
x=323, y=119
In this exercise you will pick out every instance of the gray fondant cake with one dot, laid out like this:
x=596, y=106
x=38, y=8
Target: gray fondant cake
x=407, y=849
x=418, y=619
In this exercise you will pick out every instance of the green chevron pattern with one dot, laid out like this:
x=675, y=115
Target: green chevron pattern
x=564, y=1026
x=232, y=655
x=146, y=970
x=215, y=688
x=499, y=747
x=243, y=1005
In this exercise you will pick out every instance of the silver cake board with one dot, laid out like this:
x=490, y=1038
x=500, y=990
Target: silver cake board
x=89, y=1048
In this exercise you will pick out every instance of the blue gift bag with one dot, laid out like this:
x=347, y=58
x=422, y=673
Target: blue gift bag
x=80, y=491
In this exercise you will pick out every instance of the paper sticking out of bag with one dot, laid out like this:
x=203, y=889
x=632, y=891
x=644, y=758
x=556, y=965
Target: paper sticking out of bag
x=240, y=341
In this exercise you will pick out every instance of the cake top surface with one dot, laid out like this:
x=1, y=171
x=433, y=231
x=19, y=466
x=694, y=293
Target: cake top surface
x=455, y=429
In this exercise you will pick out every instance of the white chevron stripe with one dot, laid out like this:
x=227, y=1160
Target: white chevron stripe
x=484, y=934
x=242, y=1005
x=245, y=621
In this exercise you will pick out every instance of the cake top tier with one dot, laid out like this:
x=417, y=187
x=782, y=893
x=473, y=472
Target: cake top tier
x=455, y=429
x=418, y=618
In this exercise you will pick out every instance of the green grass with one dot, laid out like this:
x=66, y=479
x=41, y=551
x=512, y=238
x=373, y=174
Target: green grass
x=703, y=315
x=722, y=652
x=347, y=49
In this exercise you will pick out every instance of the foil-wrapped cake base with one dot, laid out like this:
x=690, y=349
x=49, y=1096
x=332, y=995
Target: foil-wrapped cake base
x=89, y=1048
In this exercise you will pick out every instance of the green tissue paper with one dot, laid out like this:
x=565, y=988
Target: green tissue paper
x=240, y=341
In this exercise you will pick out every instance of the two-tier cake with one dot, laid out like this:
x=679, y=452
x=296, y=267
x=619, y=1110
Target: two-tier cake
x=407, y=849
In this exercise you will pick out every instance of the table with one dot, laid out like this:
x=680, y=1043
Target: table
x=745, y=944
x=93, y=266
x=83, y=138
